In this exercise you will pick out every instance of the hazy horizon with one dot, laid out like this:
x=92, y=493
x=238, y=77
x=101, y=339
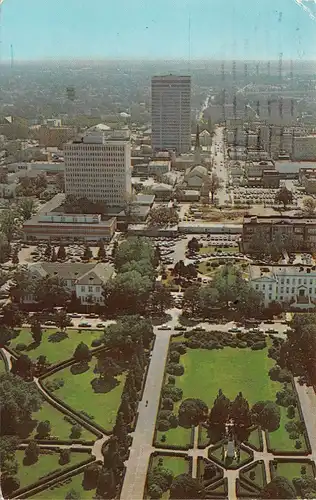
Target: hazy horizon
x=100, y=29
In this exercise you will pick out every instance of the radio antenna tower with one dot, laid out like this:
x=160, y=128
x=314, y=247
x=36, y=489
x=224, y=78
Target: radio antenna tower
x=189, y=34
x=12, y=56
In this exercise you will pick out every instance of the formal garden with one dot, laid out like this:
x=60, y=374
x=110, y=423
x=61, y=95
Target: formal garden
x=199, y=373
x=84, y=394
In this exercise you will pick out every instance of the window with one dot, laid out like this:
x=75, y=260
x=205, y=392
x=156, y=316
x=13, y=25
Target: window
x=90, y=289
x=83, y=288
x=293, y=289
x=270, y=287
x=270, y=296
x=97, y=289
x=287, y=281
x=257, y=287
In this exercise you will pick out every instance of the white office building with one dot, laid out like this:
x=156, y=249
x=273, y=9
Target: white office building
x=171, y=113
x=98, y=166
x=293, y=286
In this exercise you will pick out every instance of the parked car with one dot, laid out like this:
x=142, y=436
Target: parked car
x=234, y=330
x=50, y=323
x=84, y=324
x=164, y=327
x=100, y=325
x=271, y=330
x=180, y=328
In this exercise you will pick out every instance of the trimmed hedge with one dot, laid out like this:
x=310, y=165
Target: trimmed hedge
x=233, y=467
x=55, y=475
x=165, y=454
x=305, y=434
x=291, y=460
x=252, y=446
x=250, y=467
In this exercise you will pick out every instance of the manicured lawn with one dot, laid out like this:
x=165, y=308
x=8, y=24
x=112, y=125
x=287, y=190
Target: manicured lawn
x=177, y=465
x=280, y=440
x=50, y=347
x=254, y=438
x=59, y=491
x=293, y=469
x=204, y=440
x=78, y=393
x=229, y=369
x=178, y=436
x=206, y=270
x=232, y=370
x=47, y=463
x=61, y=429
x=259, y=479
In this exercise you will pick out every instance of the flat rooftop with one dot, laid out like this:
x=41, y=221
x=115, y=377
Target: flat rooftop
x=278, y=219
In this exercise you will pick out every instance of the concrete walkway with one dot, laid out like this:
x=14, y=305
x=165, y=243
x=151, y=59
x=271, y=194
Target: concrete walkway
x=134, y=482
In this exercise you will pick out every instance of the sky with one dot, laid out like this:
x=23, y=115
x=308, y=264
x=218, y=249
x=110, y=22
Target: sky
x=151, y=29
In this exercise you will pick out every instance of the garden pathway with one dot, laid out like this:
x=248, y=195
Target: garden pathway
x=136, y=471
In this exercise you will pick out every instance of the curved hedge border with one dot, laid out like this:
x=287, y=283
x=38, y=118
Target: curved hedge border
x=249, y=468
x=67, y=410
x=165, y=454
x=56, y=475
x=211, y=490
x=72, y=412
x=221, y=464
x=308, y=451
x=252, y=446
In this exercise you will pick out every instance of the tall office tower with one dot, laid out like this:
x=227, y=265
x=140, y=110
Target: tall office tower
x=98, y=166
x=171, y=113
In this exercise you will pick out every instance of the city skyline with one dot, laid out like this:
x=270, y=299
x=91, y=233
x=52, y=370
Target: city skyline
x=218, y=30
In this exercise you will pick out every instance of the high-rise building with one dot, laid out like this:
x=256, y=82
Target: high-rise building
x=171, y=113
x=98, y=167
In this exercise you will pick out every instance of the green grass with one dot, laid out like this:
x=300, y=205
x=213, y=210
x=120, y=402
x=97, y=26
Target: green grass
x=232, y=370
x=178, y=436
x=206, y=270
x=59, y=491
x=290, y=470
x=177, y=465
x=204, y=440
x=254, y=439
x=54, y=351
x=229, y=369
x=47, y=463
x=61, y=429
x=279, y=439
x=259, y=480
x=78, y=393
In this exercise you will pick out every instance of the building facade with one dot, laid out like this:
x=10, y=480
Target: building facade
x=98, y=166
x=85, y=281
x=303, y=229
x=171, y=113
x=293, y=286
x=60, y=227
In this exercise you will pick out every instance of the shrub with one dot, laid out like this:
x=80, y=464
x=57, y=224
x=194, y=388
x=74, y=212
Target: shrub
x=9, y=484
x=241, y=345
x=96, y=342
x=298, y=445
x=174, y=357
x=171, y=380
x=252, y=475
x=175, y=369
x=174, y=421
x=43, y=429
x=175, y=393
x=167, y=404
x=181, y=348
x=258, y=346
x=294, y=435
x=64, y=457
x=303, y=470
x=291, y=411
x=163, y=438
x=163, y=425
x=76, y=431
x=155, y=491
x=20, y=347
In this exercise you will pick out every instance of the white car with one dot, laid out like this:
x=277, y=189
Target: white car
x=164, y=327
